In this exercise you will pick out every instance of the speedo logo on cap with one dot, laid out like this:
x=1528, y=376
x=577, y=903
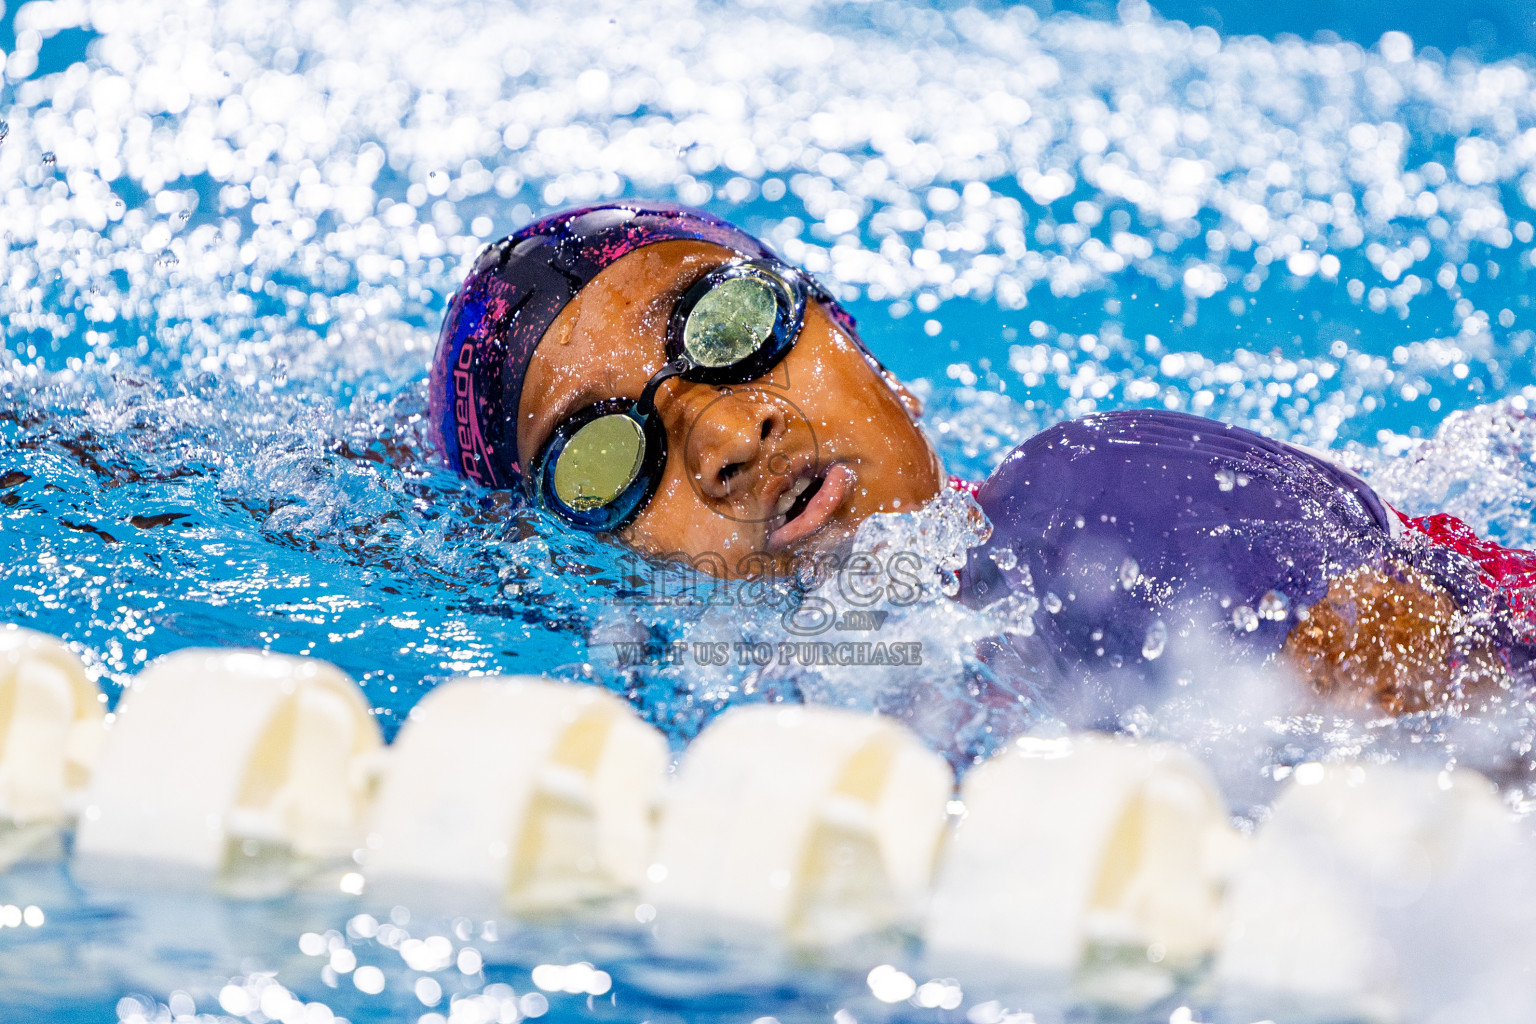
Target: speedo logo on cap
x=472, y=455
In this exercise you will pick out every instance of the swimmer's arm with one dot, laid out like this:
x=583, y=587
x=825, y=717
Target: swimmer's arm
x=1393, y=639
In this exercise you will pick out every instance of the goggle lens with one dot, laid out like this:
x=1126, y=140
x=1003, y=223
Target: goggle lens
x=730, y=322
x=605, y=462
x=599, y=462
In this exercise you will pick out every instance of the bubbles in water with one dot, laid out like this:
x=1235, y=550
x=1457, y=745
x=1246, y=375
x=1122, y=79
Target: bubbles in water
x=1480, y=466
x=273, y=386
x=1005, y=558
x=1274, y=606
x=284, y=357
x=949, y=582
x=1016, y=612
x=1130, y=572
x=949, y=697
x=975, y=428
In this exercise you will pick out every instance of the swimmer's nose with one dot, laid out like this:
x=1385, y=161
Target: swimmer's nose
x=730, y=442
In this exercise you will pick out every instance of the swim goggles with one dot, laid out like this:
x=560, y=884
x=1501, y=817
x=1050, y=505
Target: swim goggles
x=603, y=463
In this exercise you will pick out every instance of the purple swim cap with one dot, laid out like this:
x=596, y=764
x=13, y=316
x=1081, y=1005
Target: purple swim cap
x=516, y=290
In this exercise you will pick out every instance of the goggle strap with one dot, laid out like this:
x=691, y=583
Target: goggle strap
x=645, y=405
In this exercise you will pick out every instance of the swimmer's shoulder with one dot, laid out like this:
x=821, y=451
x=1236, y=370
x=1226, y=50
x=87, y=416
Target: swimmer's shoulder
x=1148, y=454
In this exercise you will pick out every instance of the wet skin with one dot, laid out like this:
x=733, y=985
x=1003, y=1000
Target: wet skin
x=738, y=455
x=823, y=422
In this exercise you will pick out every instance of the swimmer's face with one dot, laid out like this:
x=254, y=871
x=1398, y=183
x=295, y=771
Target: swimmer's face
x=756, y=474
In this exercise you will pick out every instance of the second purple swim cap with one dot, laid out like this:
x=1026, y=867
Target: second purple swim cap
x=516, y=289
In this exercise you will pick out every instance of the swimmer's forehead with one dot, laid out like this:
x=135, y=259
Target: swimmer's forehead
x=610, y=338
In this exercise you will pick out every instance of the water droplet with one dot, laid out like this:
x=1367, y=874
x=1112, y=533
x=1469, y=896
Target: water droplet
x=1080, y=522
x=1274, y=605
x=1018, y=611
x=1116, y=661
x=1005, y=558
x=1156, y=640
x=949, y=582
x=1245, y=618
x=1130, y=572
x=1226, y=479
x=1052, y=603
x=1242, y=479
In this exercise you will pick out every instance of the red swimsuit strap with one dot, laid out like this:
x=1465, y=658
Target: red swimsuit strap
x=970, y=487
x=1509, y=571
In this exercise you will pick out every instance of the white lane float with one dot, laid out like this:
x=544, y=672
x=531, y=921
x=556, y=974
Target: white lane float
x=51, y=718
x=814, y=823
x=236, y=768
x=1087, y=843
x=518, y=793
x=1384, y=893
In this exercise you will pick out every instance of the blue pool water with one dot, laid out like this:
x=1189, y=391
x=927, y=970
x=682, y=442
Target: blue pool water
x=229, y=230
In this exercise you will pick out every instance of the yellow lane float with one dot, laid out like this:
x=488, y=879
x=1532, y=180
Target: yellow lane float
x=1376, y=893
x=1384, y=893
x=815, y=823
x=1080, y=843
x=51, y=719
x=237, y=768
x=518, y=793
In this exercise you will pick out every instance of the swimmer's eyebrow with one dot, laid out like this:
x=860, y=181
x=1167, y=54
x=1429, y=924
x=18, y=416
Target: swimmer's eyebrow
x=593, y=391
x=589, y=393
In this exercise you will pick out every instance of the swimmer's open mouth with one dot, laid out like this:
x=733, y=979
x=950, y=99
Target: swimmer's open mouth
x=808, y=505
x=808, y=488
